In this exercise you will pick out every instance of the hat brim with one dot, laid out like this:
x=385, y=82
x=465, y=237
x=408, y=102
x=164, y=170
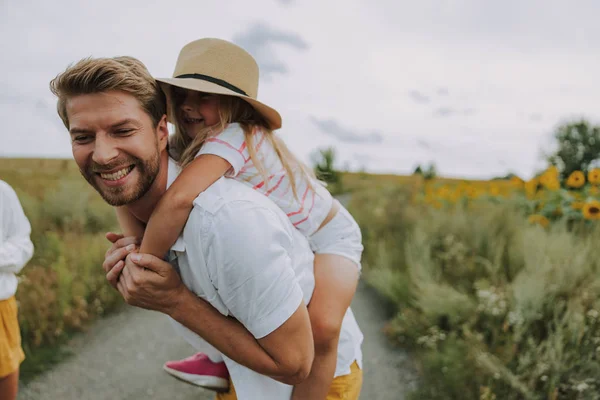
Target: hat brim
x=270, y=114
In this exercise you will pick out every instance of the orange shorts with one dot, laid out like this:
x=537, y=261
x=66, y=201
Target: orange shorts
x=345, y=387
x=11, y=353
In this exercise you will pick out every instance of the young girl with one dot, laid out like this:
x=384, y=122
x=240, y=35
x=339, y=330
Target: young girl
x=222, y=130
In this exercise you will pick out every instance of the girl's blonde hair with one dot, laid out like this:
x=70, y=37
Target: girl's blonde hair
x=232, y=109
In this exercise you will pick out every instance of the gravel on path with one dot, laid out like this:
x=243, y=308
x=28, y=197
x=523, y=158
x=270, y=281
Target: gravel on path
x=121, y=358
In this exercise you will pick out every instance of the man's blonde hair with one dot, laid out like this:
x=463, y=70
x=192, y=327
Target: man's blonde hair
x=235, y=110
x=96, y=75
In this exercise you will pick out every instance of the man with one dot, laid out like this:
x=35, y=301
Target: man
x=16, y=250
x=238, y=256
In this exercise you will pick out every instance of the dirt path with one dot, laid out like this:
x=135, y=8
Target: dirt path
x=121, y=358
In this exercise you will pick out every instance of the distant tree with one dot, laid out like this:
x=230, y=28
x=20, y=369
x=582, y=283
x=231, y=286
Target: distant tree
x=506, y=177
x=324, y=165
x=430, y=172
x=418, y=170
x=578, y=147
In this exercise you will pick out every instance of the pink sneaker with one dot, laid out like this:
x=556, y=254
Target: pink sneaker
x=200, y=371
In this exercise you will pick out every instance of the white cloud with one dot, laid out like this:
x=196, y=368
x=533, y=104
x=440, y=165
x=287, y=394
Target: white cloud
x=419, y=97
x=522, y=66
x=260, y=41
x=343, y=134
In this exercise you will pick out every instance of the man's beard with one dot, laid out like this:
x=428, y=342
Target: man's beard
x=122, y=195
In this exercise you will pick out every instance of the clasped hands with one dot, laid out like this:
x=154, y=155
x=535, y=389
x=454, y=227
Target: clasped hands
x=143, y=280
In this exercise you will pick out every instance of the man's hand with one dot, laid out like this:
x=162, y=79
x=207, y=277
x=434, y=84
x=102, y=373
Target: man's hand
x=151, y=283
x=114, y=259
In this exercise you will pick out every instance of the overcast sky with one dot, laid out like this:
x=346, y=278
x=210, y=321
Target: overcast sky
x=475, y=86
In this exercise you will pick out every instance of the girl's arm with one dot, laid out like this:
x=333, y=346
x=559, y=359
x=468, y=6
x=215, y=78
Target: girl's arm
x=172, y=211
x=130, y=225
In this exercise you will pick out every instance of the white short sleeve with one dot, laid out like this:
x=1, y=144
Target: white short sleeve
x=256, y=280
x=229, y=145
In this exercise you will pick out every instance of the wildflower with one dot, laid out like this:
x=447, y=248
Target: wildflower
x=540, y=220
x=515, y=318
x=582, y=387
x=576, y=179
x=591, y=210
x=594, y=176
x=485, y=393
x=593, y=314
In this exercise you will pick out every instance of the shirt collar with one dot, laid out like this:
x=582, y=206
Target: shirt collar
x=173, y=170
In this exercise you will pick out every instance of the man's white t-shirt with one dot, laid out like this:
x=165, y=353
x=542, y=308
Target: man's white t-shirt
x=240, y=252
x=306, y=209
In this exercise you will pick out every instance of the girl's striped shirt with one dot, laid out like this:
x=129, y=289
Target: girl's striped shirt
x=313, y=204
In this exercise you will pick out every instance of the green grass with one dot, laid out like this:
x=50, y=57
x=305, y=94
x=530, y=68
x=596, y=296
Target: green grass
x=490, y=306
x=62, y=290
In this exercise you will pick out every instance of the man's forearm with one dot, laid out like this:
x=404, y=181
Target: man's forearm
x=228, y=335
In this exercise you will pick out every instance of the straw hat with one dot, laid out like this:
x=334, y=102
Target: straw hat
x=217, y=66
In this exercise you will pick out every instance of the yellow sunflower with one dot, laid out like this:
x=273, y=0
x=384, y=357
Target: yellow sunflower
x=591, y=210
x=539, y=220
x=531, y=187
x=577, y=205
x=494, y=190
x=594, y=176
x=576, y=179
x=549, y=179
x=472, y=192
x=516, y=181
x=552, y=184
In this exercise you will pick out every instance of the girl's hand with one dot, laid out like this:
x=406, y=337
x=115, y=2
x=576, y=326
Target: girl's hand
x=114, y=259
x=151, y=283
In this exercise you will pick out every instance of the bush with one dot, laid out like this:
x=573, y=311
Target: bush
x=493, y=307
x=63, y=288
x=324, y=167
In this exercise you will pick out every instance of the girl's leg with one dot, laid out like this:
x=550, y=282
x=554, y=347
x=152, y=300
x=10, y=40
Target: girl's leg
x=9, y=386
x=336, y=278
x=213, y=354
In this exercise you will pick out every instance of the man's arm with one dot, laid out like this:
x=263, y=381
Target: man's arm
x=272, y=355
x=17, y=249
x=255, y=281
x=151, y=283
x=251, y=268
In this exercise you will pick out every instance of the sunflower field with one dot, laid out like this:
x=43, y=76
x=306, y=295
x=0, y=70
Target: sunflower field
x=494, y=286
x=543, y=198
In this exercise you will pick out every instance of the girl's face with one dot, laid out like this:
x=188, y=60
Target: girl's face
x=195, y=110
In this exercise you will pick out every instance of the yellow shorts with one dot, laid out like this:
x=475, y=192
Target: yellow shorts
x=11, y=353
x=345, y=387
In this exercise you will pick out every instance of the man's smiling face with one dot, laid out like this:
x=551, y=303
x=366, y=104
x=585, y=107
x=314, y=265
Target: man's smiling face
x=115, y=144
